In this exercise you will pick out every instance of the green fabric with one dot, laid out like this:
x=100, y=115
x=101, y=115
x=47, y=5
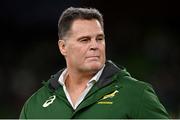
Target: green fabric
x=124, y=97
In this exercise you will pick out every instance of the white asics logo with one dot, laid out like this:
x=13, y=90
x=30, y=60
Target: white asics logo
x=49, y=101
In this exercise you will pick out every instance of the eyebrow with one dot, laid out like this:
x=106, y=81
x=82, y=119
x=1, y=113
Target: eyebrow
x=101, y=35
x=88, y=36
x=82, y=37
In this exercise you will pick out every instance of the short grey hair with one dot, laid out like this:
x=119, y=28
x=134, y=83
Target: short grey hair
x=71, y=14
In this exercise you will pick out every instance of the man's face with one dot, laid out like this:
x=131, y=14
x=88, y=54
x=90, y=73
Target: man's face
x=84, y=49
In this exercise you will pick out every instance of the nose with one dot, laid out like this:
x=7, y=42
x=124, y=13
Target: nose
x=94, y=45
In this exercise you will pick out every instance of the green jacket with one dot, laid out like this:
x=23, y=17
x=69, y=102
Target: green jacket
x=115, y=96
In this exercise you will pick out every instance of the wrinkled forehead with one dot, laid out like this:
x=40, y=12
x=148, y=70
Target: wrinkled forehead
x=86, y=26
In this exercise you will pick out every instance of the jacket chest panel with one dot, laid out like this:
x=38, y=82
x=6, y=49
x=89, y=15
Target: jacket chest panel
x=104, y=109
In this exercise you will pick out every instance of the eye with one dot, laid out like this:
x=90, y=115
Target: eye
x=84, y=40
x=100, y=38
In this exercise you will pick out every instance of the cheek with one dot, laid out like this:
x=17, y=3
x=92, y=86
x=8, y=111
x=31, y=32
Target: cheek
x=76, y=52
x=102, y=48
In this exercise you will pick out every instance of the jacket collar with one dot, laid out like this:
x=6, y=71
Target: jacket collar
x=109, y=70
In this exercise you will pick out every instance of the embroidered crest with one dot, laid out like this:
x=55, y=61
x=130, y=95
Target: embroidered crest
x=49, y=101
x=110, y=95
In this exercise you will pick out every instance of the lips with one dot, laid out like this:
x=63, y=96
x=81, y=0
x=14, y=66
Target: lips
x=92, y=57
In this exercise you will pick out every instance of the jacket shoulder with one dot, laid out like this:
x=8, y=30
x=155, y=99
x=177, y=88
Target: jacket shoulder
x=131, y=82
x=41, y=94
x=142, y=98
x=35, y=99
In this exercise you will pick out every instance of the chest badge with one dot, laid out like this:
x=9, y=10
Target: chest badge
x=111, y=95
x=49, y=101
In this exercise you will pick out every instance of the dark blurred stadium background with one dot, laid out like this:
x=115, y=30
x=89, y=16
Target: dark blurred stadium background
x=143, y=36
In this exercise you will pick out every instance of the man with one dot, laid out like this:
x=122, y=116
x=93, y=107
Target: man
x=90, y=86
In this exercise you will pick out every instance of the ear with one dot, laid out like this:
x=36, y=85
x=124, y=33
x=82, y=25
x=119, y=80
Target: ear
x=62, y=47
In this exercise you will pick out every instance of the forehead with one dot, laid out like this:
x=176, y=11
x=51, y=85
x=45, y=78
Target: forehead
x=84, y=27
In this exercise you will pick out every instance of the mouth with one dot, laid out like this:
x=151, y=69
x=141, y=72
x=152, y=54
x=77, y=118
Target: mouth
x=93, y=57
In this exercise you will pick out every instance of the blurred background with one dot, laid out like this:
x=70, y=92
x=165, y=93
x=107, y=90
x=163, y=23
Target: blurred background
x=142, y=36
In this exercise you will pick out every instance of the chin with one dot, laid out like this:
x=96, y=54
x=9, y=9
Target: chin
x=95, y=66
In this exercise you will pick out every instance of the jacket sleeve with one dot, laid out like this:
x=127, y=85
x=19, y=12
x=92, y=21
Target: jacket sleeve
x=150, y=106
x=23, y=112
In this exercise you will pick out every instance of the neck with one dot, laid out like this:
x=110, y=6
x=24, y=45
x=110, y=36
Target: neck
x=79, y=78
x=76, y=83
